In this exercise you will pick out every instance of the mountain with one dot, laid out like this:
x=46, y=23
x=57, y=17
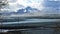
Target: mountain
x=20, y=11
x=30, y=9
x=7, y=12
x=27, y=10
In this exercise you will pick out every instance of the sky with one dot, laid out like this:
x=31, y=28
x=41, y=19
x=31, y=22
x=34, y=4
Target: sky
x=52, y=6
x=14, y=5
x=25, y=3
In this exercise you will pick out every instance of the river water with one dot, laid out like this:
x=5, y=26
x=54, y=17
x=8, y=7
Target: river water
x=32, y=21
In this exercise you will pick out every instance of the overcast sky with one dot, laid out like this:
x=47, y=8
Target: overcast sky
x=39, y=4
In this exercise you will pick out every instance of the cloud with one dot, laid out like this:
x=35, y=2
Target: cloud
x=12, y=1
x=14, y=5
x=32, y=3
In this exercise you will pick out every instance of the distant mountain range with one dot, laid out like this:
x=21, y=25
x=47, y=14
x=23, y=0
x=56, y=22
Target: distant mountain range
x=22, y=11
x=27, y=10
